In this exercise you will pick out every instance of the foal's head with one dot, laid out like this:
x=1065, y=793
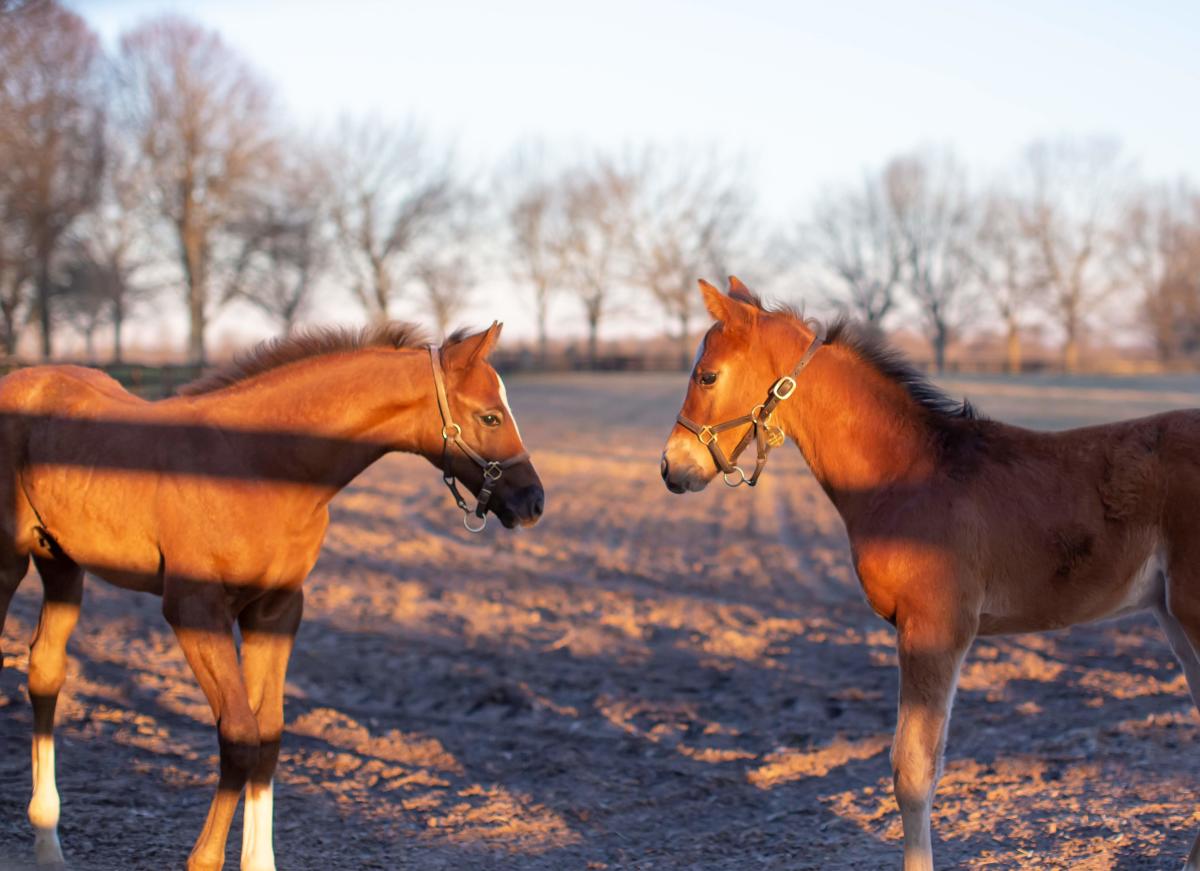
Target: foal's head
x=479, y=406
x=738, y=360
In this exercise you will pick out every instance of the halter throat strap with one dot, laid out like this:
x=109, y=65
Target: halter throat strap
x=761, y=431
x=452, y=434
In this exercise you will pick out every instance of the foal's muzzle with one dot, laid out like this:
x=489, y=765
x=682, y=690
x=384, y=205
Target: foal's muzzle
x=682, y=477
x=523, y=507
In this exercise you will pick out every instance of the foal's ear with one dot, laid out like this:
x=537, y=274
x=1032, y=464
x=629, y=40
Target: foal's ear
x=738, y=290
x=729, y=310
x=468, y=351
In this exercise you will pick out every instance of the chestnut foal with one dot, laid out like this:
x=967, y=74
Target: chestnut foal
x=217, y=500
x=958, y=526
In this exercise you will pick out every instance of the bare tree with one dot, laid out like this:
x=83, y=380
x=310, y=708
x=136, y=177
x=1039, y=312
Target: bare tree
x=84, y=287
x=1074, y=187
x=854, y=241
x=14, y=281
x=287, y=238
x=113, y=247
x=1157, y=245
x=593, y=241
x=934, y=215
x=202, y=120
x=533, y=215
x=51, y=143
x=445, y=281
x=395, y=190
x=688, y=216
x=1008, y=267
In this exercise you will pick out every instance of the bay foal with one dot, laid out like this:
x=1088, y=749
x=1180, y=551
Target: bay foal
x=217, y=501
x=958, y=526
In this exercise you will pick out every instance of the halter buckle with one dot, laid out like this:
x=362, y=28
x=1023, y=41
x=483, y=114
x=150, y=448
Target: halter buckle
x=451, y=431
x=492, y=471
x=706, y=430
x=784, y=387
x=467, y=522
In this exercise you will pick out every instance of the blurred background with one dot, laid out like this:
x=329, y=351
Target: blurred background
x=643, y=681
x=1003, y=189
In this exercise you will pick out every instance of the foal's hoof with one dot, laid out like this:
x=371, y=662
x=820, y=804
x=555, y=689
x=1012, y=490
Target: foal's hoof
x=47, y=853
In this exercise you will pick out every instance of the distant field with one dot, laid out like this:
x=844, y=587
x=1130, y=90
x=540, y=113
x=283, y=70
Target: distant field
x=643, y=681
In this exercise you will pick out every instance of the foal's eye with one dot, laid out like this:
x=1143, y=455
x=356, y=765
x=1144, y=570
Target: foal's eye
x=708, y=379
x=489, y=419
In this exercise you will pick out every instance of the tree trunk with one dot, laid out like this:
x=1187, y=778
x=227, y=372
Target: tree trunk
x=195, y=266
x=939, y=342
x=196, y=327
x=543, y=331
x=1071, y=345
x=685, y=347
x=118, y=321
x=1071, y=355
x=1012, y=350
x=593, y=340
x=43, y=305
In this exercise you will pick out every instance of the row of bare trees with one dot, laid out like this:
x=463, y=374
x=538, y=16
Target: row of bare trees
x=169, y=167
x=1065, y=233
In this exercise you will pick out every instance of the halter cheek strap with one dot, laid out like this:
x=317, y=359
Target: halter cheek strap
x=761, y=431
x=452, y=434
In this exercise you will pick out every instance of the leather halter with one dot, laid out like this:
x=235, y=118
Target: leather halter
x=452, y=434
x=762, y=432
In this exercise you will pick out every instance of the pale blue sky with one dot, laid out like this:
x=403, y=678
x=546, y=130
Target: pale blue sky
x=810, y=93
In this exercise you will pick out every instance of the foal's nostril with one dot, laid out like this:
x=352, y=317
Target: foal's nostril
x=539, y=504
x=664, y=467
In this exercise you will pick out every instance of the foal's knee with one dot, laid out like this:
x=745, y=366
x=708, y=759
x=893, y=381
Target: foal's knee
x=47, y=670
x=240, y=746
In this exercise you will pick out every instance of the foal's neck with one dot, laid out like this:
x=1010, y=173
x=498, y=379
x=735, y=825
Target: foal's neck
x=860, y=431
x=322, y=421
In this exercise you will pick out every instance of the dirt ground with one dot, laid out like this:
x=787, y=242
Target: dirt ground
x=643, y=681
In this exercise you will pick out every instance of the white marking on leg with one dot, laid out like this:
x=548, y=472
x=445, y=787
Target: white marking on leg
x=258, y=853
x=44, y=806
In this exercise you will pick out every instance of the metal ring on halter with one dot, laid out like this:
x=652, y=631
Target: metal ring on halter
x=756, y=412
x=492, y=471
x=446, y=431
x=741, y=475
x=712, y=436
x=470, y=528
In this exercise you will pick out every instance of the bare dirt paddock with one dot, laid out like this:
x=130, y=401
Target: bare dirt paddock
x=643, y=681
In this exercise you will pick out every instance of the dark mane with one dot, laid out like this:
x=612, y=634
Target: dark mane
x=302, y=345
x=870, y=345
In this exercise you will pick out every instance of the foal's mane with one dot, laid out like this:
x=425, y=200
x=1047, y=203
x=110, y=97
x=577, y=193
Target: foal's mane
x=870, y=345
x=301, y=345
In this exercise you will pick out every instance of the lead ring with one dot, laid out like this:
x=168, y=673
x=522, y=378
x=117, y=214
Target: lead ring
x=470, y=528
x=742, y=477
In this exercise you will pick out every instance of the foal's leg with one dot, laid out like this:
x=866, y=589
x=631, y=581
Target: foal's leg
x=1181, y=624
x=62, y=581
x=200, y=616
x=930, y=653
x=268, y=628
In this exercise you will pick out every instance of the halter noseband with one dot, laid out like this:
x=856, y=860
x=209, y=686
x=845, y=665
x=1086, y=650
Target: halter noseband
x=452, y=432
x=761, y=431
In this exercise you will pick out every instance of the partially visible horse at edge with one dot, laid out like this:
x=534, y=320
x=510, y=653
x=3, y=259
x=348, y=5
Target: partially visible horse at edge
x=217, y=501
x=958, y=526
